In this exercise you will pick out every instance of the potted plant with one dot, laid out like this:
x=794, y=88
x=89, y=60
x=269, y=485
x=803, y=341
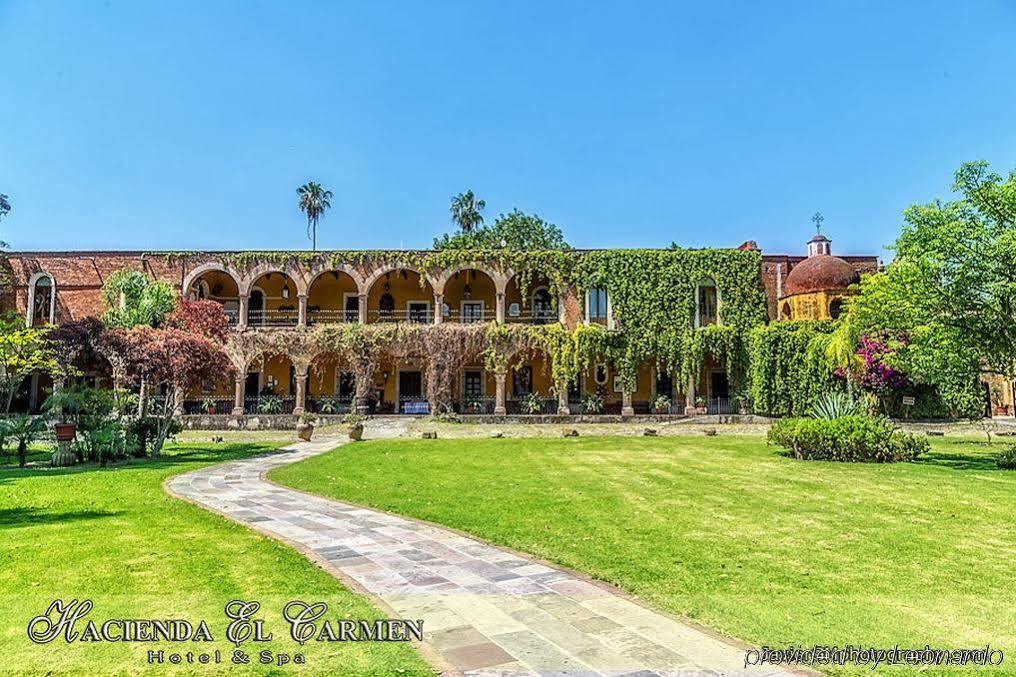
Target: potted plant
x=208, y=404
x=66, y=404
x=354, y=426
x=305, y=426
x=661, y=405
x=270, y=404
x=328, y=405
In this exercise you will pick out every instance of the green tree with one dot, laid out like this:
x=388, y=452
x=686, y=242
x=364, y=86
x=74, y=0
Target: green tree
x=314, y=200
x=133, y=299
x=952, y=287
x=23, y=351
x=466, y=211
x=515, y=230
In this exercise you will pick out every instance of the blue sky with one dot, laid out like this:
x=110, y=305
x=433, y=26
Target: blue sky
x=187, y=125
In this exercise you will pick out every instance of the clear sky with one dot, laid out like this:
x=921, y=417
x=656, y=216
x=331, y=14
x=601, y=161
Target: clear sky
x=189, y=125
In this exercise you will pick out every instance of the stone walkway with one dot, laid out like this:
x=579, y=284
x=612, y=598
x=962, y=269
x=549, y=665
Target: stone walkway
x=485, y=611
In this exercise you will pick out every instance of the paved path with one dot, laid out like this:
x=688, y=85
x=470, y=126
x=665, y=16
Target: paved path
x=485, y=611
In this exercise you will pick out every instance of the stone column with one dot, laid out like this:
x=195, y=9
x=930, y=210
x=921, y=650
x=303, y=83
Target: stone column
x=241, y=321
x=562, y=399
x=301, y=391
x=238, y=392
x=499, y=394
x=301, y=313
x=438, y=307
x=361, y=308
x=626, y=408
x=689, y=399
x=562, y=315
x=500, y=308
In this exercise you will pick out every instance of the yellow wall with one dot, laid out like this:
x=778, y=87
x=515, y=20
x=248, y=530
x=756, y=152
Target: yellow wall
x=482, y=288
x=814, y=306
x=271, y=286
x=327, y=292
x=221, y=286
x=402, y=290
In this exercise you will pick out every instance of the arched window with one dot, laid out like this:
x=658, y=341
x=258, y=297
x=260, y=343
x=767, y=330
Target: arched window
x=41, y=300
x=835, y=308
x=706, y=303
x=785, y=312
x=543, y=307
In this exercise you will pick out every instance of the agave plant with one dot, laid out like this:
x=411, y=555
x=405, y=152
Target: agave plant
x=834, y=405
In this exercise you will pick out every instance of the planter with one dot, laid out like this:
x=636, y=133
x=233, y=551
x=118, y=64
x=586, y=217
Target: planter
x=304, y=431
x=210, y=410
x=355, y=432
x=65, y=431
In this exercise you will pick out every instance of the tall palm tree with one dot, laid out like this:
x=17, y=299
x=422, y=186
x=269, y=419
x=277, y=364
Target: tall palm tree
x=314, y=200
x=466, y=210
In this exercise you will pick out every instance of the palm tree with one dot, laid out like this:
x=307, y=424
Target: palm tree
x=466, y=210
x=24, y=430
x=314, y=200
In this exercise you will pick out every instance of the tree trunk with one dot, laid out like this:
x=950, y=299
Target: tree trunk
x=22, y=453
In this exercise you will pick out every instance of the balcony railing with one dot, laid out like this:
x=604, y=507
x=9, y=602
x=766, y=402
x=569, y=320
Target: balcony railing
x=471, y=316
x=521, y=405
x=208, y=405
x=330, y=404
x=401, y=316
x=476, y=405
x=529, y=317
x=272, y=318
x=332, y=316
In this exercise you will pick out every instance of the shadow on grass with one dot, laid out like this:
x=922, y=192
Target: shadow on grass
x=960, y=460
x=12, y=518
x=176, y=456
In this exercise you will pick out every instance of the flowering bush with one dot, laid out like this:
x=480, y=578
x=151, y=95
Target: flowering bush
x=877, y=375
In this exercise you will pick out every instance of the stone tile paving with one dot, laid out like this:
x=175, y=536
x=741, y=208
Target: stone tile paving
x=485, y=611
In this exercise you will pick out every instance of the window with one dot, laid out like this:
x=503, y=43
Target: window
x=600, y=374
x=835, y=308
x=706, y=310
x=418, y=311
x=543, y=307
x=472, y=312
x=785, y=313
x=351, y=311
x=522, y=381
x=472, y=386
x=598, y=306
x=41, y=300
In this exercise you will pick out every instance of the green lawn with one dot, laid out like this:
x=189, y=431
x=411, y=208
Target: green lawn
x=115, y=537
x=725, y=530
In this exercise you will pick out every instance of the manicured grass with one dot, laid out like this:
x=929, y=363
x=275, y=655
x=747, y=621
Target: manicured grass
x=115, y=537
x=725, y=530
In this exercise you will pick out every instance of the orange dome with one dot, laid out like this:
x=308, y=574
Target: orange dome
x=820, y=273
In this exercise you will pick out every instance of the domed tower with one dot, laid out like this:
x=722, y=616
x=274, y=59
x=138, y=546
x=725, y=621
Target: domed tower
x=816, y=287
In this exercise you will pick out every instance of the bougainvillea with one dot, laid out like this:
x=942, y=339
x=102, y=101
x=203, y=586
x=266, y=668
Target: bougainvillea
x=878, y=375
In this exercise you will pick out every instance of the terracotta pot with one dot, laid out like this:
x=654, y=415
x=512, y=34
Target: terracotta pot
x=304, y=431
x=65, y=431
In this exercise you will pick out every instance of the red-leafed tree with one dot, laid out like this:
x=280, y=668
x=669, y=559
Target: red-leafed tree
x=203, y=317
x=170, y=358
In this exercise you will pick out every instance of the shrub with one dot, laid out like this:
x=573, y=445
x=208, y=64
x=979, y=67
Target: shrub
x=533, y=404
x=1007, y=459
x=592, y=403
x=847, y=438
x=661, y=404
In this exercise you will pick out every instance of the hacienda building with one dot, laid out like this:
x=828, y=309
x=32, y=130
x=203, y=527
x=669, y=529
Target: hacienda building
x=276, y=301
